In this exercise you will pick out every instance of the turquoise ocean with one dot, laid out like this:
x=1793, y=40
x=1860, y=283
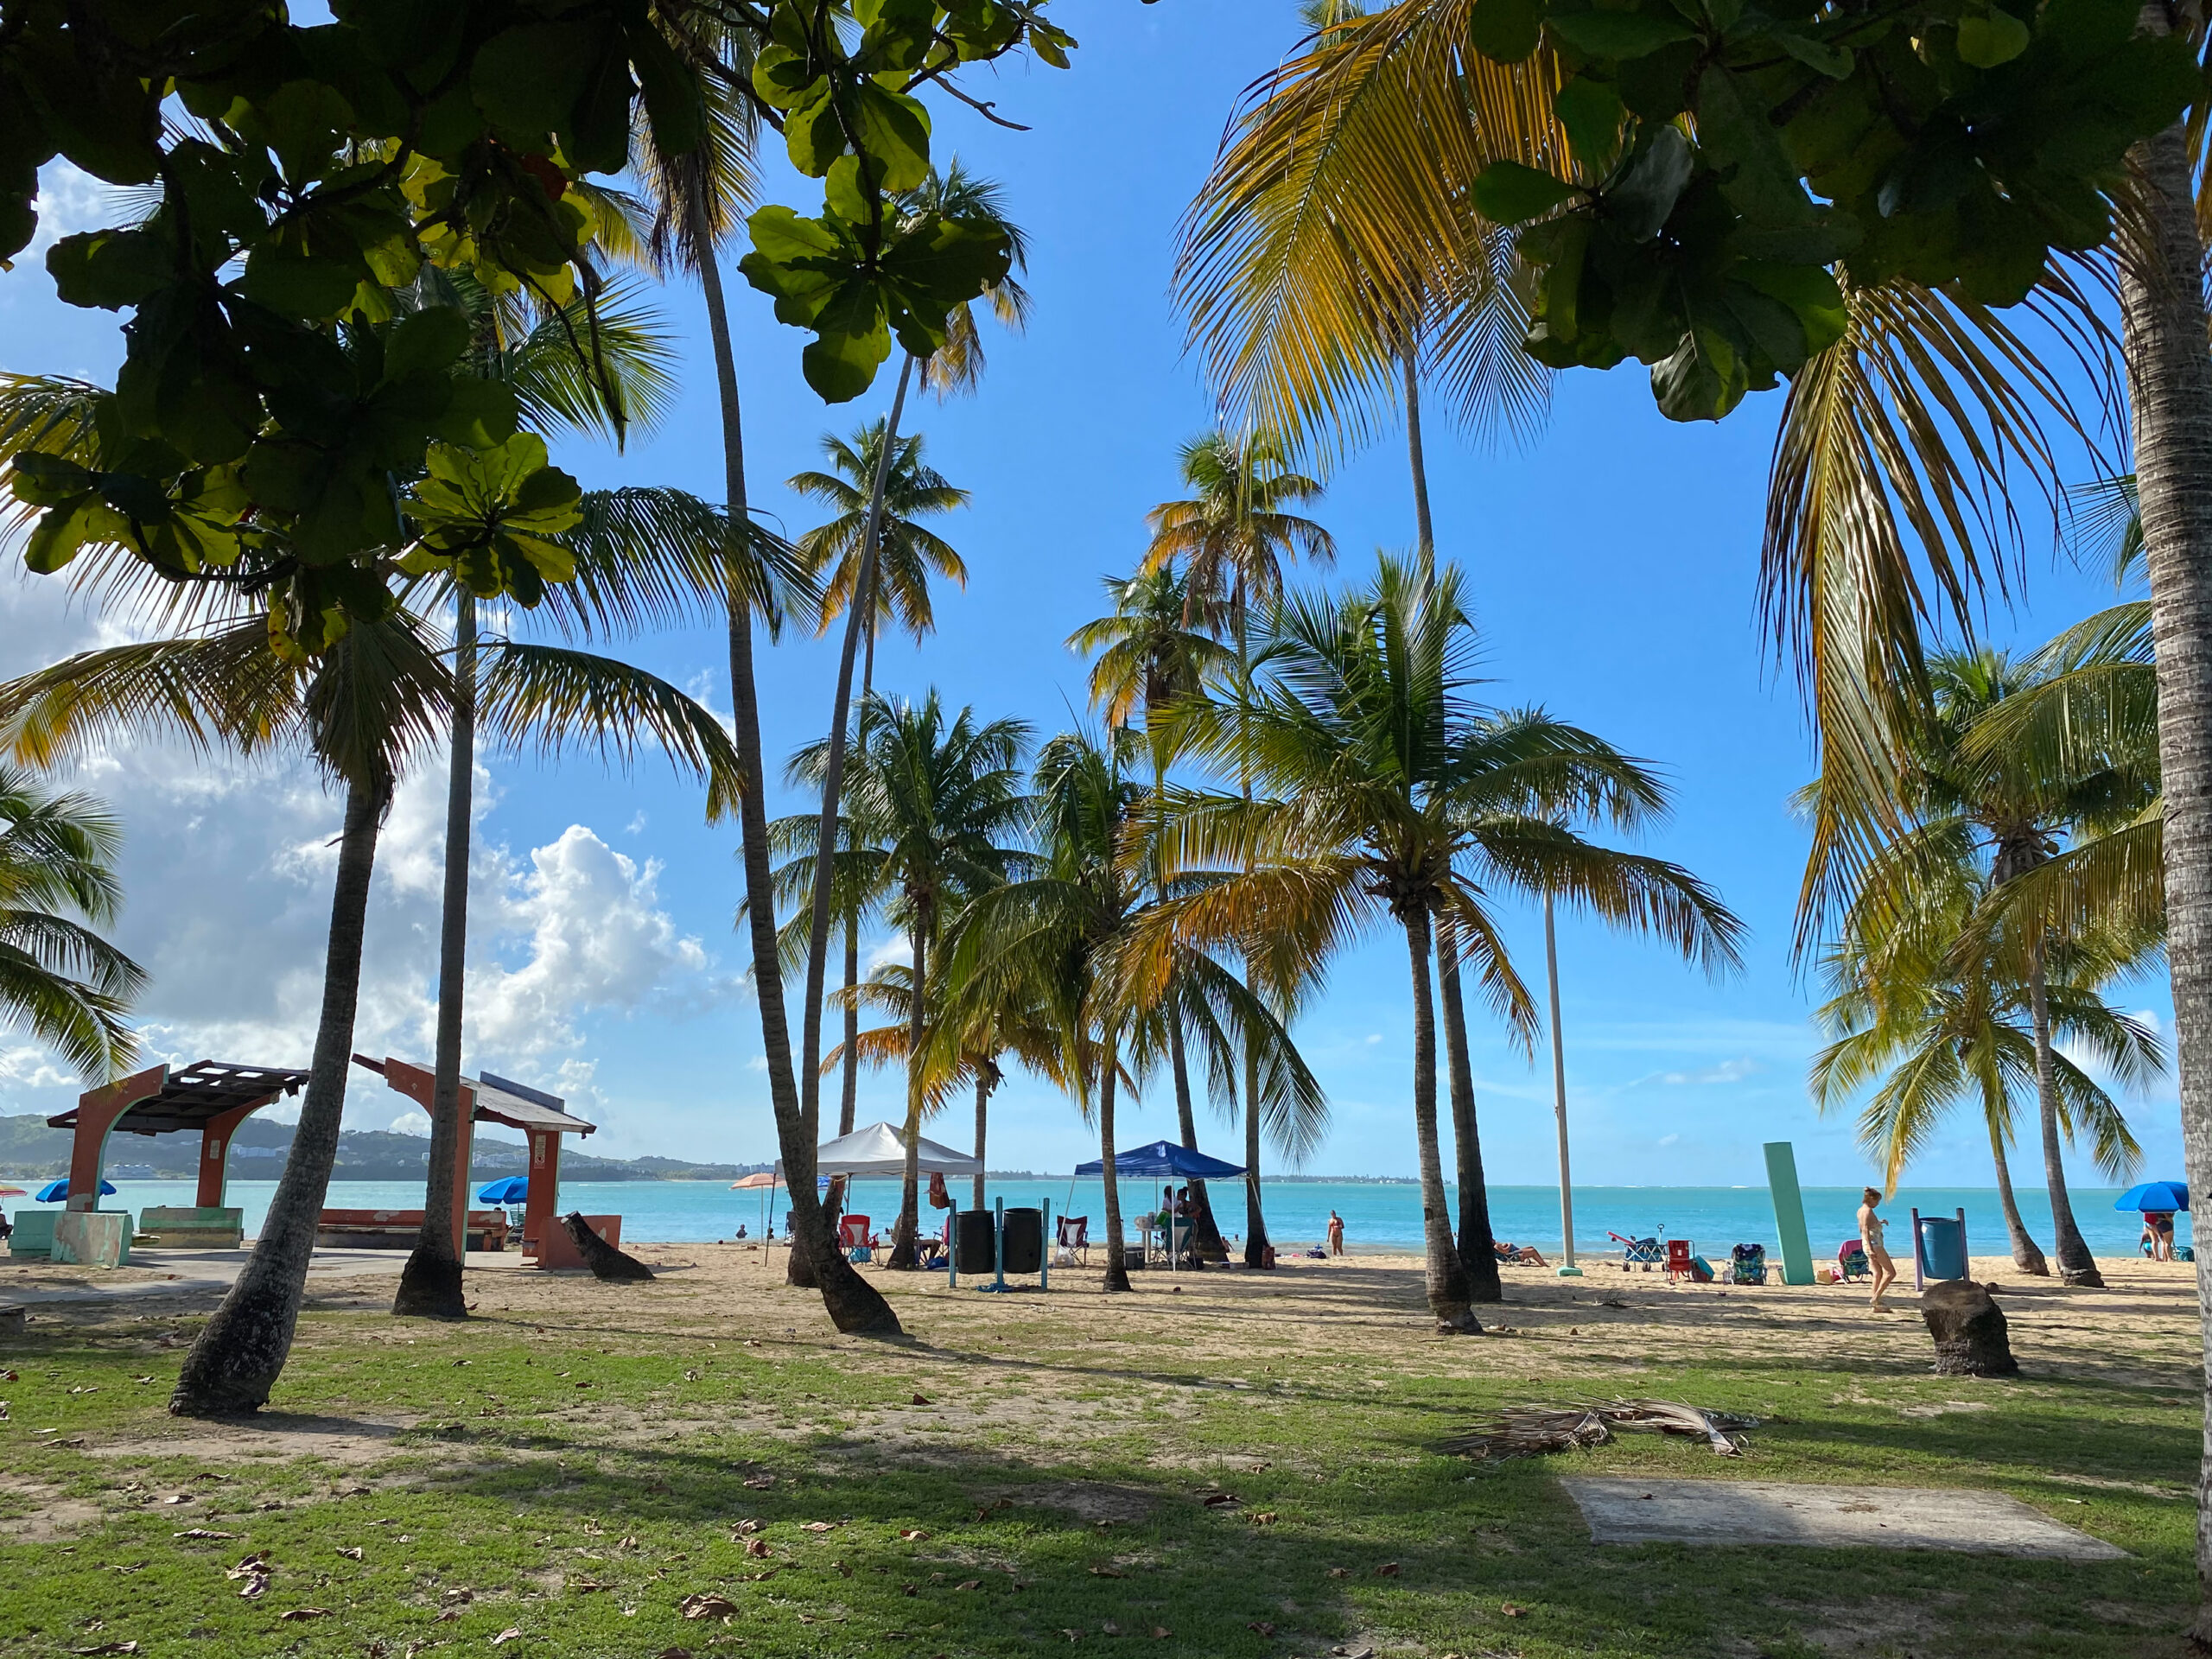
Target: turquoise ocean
x=1378, y=1216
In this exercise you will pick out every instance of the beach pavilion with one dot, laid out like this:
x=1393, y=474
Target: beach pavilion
x=213, y=1096
x=542, y=1118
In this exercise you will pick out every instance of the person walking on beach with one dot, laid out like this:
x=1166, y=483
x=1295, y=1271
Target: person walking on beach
x=1877, y=1253
x=1336, y=1234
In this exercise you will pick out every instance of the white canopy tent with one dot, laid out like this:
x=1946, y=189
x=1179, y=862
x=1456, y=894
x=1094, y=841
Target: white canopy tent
x=878, y=1152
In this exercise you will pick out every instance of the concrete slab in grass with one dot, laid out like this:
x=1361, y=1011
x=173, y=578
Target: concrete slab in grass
x=1772, y=1513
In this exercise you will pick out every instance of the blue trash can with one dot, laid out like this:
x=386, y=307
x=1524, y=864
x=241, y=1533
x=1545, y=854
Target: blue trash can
x=1942, y=1248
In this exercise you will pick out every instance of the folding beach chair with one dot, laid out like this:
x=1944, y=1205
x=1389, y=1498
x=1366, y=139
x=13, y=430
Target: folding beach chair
x=1678, y=1260
x=1074, y=1240
x=1638, y=1252
x=1747, y=1264
x=1851, y=1258
x=852, y=1238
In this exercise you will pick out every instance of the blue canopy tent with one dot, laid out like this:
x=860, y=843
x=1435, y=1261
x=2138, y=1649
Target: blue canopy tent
x=1165, y=1160
x=514, y=1189
x=56, y=1191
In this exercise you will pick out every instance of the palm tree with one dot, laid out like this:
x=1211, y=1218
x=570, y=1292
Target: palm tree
x=952, y=192
x=697, y=199
x=1385, y=791
x=906, y=552
x=945, y=801
x=1148, y=656
x=1927, y=1011
x=2012, y=807
x=1232, y=536
x=60, y=982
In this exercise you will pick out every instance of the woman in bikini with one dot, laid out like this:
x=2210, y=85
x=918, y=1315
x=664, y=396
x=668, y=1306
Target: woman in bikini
x=1878, y=1253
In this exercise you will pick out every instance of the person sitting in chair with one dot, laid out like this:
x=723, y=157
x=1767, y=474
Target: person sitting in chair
x=1521, y=1256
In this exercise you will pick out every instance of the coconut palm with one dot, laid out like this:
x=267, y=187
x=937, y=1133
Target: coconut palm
x=943, y=800
x=906, y=552
x=60, y=982
x=1383, y=791
x=1232, y=536
x=953, y=193
x=1927, y=1011
x=697, y=200
x=2015, y=809
x=1149, y=656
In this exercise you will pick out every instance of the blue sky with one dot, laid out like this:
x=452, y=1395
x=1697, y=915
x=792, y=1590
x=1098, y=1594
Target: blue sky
x=1611, y=563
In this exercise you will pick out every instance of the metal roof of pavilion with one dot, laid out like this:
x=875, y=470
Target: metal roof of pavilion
x=502, y=1100
x=188, y=1098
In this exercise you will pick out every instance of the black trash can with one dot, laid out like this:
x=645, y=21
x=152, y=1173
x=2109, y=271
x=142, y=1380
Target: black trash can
x=972, y=1249
x=1025, y=1241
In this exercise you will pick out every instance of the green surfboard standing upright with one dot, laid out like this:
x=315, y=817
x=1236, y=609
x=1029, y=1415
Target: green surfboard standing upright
x=1788, y=1213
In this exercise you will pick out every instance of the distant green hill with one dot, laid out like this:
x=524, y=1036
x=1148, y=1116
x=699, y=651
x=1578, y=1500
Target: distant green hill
x=30, y=1151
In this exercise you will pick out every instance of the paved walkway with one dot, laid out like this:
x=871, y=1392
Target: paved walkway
x=176, y=1272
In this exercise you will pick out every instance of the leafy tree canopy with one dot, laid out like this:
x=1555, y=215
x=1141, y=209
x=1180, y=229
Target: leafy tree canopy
x=1720, y=157
x=270, y=412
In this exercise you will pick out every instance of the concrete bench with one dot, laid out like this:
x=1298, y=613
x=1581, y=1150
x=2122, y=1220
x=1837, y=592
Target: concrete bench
x=93, y=1238
x=397, y=1229
x=34, y=1234
x=182, y=1227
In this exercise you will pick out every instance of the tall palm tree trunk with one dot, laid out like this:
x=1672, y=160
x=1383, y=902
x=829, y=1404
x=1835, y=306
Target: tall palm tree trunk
x=1424, y=526
x=854, y=1305
x=982, y=1123
x=239, y=1356
x=859, y=621
x=1109, y=1069
x=1255, y=1222
x=1205, y=1232
x=2075, y=1265
x=1476, y=1257
x=2027, y=1255
x=1448, y=1290
x=2170, y=398
x=849, y=1089
x=904, y=1250
x=430, y=1284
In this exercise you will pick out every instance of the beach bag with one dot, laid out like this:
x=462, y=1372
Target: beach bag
x=1700, y=1270
x=939, y=1198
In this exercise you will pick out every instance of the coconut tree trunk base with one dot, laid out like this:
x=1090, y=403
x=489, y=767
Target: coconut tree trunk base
x=905, y=1251
x=2027, y=1255
x=430, y=1287
x=2087, y=1278
x=1463, y=1323
x=1477, y=1254
x=799, y=1268
x=1206, y=1231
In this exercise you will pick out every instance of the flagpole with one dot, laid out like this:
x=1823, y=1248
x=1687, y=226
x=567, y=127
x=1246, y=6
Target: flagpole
x=1567, y=1270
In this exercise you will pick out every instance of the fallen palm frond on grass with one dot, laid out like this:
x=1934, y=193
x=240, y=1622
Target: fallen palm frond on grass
x=1531, y=1430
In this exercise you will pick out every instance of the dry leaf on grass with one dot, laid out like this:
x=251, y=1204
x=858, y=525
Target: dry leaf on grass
x=745, y=1528
x=201, y=1532
x=460, y=1592
x=1218, y=1500
x=1353, y=1653
x=447, y=1617
x=512, y=1633
x=913, y=1535
x=254, y=1589
x=1109, y=1628
x=301, y=1615
x=969, y=1584
x=921, y=1400
x=1512, y=1610
x=842, y=1569
x=673, y=1653
x=821, y=1526
x=1388, y=1570
x=141, y=1379
x=760, y=1482
x=756, y=1547
x=909, y=1590
x=109, y=1647
x=707, y=1604
x=353, y=1554
x=1261, y=1517
x=1160, y=1632
x=1340, y=1572
x=1072, y=1636
x=1261, y=1626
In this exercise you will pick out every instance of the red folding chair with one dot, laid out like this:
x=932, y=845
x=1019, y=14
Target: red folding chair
x=1678, y=1259
x=852, y=1237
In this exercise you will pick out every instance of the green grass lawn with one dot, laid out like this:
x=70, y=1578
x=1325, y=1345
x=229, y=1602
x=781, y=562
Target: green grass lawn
x=572, y=1473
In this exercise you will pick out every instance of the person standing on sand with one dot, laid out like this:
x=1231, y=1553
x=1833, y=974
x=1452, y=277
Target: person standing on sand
x=1877, y=1253
x=1336, y=1234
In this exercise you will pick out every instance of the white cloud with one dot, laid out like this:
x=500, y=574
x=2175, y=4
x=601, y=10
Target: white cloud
x=71, y=200
x=410, y=1124
x=894, y=948
x=1733, y=1071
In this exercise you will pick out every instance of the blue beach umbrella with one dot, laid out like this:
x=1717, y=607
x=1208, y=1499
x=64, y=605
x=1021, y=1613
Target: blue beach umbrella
x=513, y=1190
x=2155, y=1195
x=55, y=1192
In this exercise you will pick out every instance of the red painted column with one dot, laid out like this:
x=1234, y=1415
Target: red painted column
x=96, y=1115
x=544, y=1188
x=421, y=1087
x=215, y=1152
